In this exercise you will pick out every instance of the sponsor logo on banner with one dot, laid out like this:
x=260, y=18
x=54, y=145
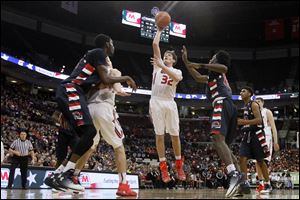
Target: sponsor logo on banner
x=4, y=177
x=131, y=18
x=84, y=179
x=36, y=179
x=44, y=71
x=178, y=30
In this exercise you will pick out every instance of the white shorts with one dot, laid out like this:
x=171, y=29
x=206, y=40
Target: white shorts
x=164, y=114
x=269, y=142
x=105, y=120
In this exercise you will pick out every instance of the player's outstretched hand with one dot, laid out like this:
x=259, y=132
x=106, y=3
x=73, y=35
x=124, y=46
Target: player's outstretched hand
x=157, y=62
x=131, y=83
x=184, y=55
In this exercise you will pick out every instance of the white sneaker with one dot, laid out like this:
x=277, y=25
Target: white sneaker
x=235, y=179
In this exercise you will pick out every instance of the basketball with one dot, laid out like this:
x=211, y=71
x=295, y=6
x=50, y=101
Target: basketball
x=162, y=19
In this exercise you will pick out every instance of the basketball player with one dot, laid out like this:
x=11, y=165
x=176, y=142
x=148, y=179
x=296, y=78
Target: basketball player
x=224, y=116
x=270, y=131
x=71, y=99
x=105, y=118
x=163, y=108
x=253, y=145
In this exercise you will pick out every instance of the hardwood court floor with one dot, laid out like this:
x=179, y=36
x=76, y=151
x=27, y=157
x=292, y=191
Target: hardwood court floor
x=142, y=194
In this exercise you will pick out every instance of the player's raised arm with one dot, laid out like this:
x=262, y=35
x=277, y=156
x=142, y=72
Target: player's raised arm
x=155, y=44
x=219, y=68
x=191, y=67
x=212, y=66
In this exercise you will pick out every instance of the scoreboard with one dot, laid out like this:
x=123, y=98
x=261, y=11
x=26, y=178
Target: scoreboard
x=148, y=29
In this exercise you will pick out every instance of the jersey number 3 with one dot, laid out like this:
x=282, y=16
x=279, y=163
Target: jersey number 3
x=166, y=80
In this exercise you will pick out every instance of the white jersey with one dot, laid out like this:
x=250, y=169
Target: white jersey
x=267, y=128
x=162, y=85
x=103, y=95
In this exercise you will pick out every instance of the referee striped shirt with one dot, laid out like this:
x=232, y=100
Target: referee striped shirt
x=22, y=146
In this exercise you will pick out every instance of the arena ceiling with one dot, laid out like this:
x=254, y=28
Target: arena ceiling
x=209, y=23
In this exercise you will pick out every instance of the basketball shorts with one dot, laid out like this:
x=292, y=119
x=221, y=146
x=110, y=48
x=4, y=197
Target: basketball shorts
x=251, y=146
x=72, y=103
x=105, y=119
x=224, y=120
x=164, y=115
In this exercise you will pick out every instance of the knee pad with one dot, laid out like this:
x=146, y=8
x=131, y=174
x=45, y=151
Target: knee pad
x=87, y=134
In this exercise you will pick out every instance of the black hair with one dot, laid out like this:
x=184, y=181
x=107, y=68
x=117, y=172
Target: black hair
x=101, y=39
x=249, y=89
x=223, y=57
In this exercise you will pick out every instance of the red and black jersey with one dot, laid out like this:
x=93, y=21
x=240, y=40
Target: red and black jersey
x=218, y=86
x=85, y=73
x=248, y=115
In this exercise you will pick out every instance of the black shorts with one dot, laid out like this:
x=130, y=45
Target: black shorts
x=73, y=104
x=66, y=139
x=224, y=120
x=251, y=147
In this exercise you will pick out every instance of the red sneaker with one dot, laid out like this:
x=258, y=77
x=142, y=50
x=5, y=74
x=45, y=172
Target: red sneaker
x=124, y=190
x=164, y=172
x=259, y=188
x=180, y=173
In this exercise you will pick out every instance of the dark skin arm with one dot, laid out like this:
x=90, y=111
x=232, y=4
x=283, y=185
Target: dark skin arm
x=191, y=67
x=108, y=79
x=197, y=76
x=219, y=68
x=256, y=121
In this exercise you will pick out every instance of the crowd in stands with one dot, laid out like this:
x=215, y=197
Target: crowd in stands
x=21, y=111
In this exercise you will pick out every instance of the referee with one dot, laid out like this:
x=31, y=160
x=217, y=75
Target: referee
x=20, y=149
